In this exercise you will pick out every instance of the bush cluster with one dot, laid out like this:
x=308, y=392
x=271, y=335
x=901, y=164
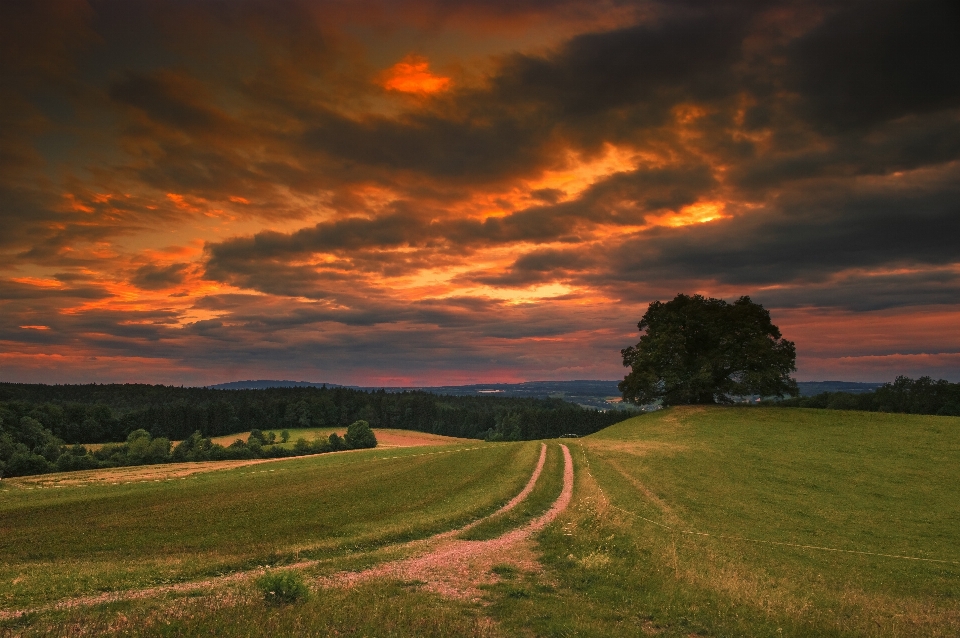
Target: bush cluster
x=27, y=448
x=904, y=395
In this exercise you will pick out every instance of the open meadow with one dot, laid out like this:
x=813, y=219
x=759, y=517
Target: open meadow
x=683, y=522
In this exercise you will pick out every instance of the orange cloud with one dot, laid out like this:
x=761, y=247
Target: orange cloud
x=698, y=213
x=412, y=75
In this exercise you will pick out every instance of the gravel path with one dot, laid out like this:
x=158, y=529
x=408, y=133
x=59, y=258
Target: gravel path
x=456, y=568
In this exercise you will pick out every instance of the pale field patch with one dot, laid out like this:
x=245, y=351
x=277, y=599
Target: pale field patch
x=131, y=474
x=635, y=448
x=386, y=437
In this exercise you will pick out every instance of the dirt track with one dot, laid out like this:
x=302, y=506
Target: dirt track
x=455, y=567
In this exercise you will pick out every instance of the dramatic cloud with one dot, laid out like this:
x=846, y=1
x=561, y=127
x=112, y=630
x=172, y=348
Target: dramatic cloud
x=423, y=192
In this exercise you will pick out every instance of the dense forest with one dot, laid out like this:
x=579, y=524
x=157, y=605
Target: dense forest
x=909, y=396
x=40, y=423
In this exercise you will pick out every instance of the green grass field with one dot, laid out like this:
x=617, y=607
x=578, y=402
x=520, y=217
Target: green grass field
x=684, y=522
x=56, y=543
x=880, y=483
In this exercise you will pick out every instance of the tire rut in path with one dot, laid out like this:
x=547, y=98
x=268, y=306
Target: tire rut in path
x=236, y=577
x=457, y=568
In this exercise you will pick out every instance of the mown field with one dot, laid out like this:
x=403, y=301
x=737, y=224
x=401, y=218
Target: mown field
x=684, y=522
x=86, y=538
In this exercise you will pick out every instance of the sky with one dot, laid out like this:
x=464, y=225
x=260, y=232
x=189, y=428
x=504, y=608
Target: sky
x=437, y=192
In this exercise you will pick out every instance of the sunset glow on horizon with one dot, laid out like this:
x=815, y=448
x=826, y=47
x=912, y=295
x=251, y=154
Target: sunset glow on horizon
x=407, y=193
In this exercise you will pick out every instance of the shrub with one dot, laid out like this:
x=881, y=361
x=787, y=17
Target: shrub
x=321, y=446
x=359, y=435
x=336, y=443
x=23, y=462
x=302, y=446
x=842, y=401
x=282, y=588
x=950, y=409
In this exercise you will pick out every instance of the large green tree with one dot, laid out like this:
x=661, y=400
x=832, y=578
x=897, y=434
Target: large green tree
x=704, y=350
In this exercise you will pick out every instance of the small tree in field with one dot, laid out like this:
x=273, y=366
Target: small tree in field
x=359, y=435
x=704, y=350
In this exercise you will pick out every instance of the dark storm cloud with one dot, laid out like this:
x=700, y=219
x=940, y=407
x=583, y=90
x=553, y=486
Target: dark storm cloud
x=439, y=147
x=17, y=290
x=479, y=318
x=129, y=330
x=624, y=198
x=170, y=98
x=827, y=134
x=547, y=195
x=869, y=62
x=539, y=267
x=151, y=277
x=639, y=68
x=863, y=293
x=815, y=232
x=901, y=145
x=596, y=85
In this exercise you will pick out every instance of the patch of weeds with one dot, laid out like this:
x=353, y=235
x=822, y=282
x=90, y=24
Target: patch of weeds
x=515, y=591
x=283, y=588
x=413, y=583
x=505, y=571
x=23, y=620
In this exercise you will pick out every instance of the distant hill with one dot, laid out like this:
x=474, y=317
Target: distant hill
x=263, y=384
x=587, y=392
x=812, y=388
x=603, y=395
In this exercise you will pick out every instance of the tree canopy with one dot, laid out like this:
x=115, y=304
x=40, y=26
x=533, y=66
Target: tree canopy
x=359, y=435
x=704, y=350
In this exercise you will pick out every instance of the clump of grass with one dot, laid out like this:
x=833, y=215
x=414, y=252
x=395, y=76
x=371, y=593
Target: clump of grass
x=505, y=571
x=283, y=588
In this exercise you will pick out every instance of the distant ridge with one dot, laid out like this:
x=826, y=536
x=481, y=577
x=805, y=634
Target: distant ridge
x=594, y=393
x=811, y=388
x=608, y=388
x=263, y=384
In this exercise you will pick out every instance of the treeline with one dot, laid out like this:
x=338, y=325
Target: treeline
x=40, y=423
x=102, y=413
x=904, y=395
x=27, y=448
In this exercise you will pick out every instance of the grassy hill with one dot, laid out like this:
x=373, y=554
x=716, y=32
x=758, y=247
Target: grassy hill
x=684, y=522
x=683, y=490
